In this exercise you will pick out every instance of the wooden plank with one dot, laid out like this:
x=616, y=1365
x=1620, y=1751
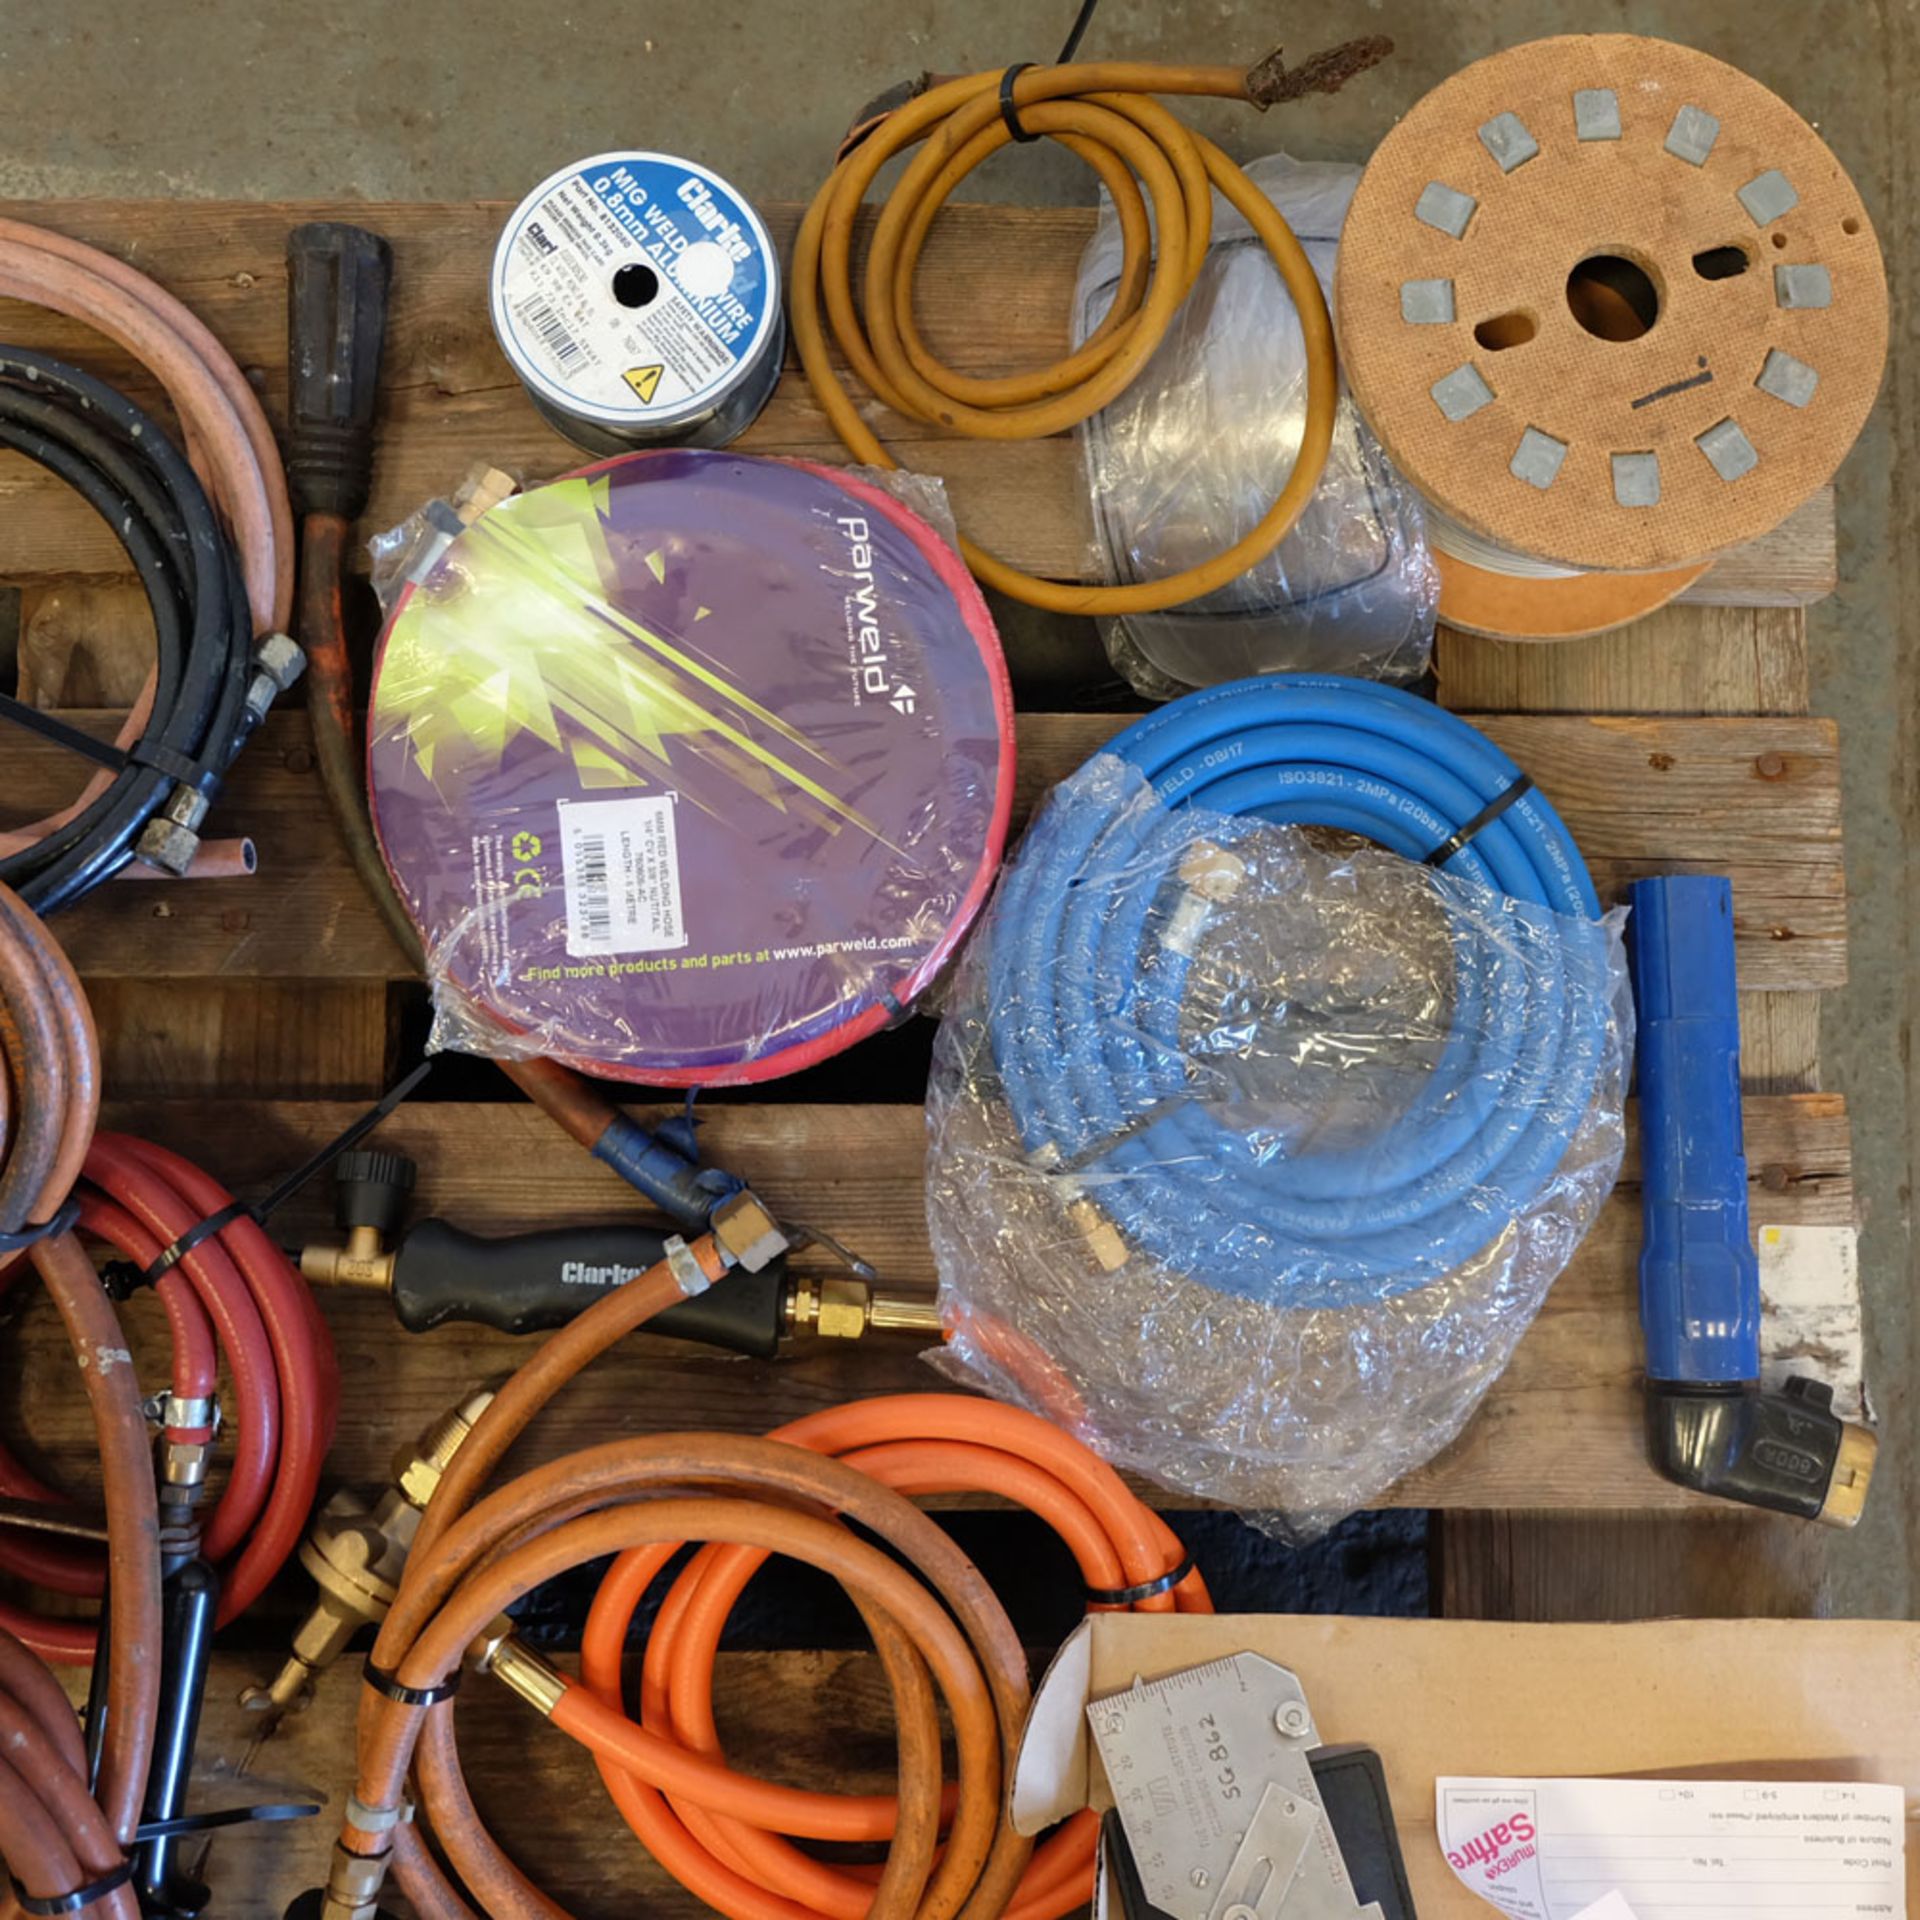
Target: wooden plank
x=1712, y=1562
x=1561, y=1428
x=450, y=398
x=303, y=1039
x=1677, y=661
x=1493, y=1565
x=1757, y=798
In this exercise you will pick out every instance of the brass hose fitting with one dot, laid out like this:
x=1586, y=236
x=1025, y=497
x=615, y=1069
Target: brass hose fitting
x=356, y=1553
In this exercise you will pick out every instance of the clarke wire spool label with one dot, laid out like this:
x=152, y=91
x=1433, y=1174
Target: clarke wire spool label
x=691, y=767
x=638, y=299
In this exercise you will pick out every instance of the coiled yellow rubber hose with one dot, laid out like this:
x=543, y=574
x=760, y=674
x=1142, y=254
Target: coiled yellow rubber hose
x=1103, y=113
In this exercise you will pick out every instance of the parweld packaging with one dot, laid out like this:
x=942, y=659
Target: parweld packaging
x=691, y=767
x=1757, y=1700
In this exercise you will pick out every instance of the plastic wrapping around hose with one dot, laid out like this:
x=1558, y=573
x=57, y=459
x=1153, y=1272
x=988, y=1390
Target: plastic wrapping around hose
x=235, y=1295
x=701, y=1827
x=1503, y=1099
x=1101, y=112
x=60, y=1833
x=937, y=1628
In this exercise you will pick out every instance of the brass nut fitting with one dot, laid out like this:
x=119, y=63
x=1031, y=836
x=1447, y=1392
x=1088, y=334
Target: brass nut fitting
x=184, y=1463
x=541, y=1685
x=1102, y=1237
x=357, y=1553
x=845, y=1308
x=354, y=1881
x=836, y=1309
x=417, y=1471
x=481, y=491
x=362, y=1262
x=746, y=1232
x=1212, y=872
x=1852, y=1474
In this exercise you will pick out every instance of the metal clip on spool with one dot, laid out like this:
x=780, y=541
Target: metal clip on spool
x=637, y=297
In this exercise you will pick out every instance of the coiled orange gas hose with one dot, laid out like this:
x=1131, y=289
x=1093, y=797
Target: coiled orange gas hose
x=941, y=1635
x=1103, y=113
x=708, y=1832
x=59, y=1834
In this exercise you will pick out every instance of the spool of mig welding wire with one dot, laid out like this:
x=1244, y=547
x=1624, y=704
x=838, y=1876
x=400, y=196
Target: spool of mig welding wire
x=1614, y=308
x=637, y=297
x=691, y=768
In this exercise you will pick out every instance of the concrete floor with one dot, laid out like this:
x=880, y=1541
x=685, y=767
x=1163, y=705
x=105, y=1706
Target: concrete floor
x=438, y=101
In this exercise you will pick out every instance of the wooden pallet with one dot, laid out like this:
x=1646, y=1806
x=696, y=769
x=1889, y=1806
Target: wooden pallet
x=243, y=1020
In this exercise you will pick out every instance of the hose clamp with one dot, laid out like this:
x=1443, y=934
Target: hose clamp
x=688, y=1274
x=365, y=1819
x=172, y=1410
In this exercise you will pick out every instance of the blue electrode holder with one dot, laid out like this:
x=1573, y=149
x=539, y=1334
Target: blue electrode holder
x=1711, y=1425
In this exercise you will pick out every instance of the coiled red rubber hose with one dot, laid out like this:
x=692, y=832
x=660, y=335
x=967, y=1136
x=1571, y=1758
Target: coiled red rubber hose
x=235, y=1295
x=59, y=1830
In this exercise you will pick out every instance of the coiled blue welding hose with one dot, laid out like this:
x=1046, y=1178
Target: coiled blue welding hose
x=1086, y=995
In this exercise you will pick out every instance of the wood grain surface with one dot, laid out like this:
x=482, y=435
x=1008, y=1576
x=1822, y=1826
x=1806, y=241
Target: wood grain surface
x=449, y=397
x=1758, y=799
x=1560, y=1429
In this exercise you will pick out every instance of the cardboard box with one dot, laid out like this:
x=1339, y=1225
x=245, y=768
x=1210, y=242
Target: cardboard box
x=1746, y=1699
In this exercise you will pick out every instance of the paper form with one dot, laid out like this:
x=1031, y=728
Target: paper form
x=1611, y=1908
x=1675, y=1849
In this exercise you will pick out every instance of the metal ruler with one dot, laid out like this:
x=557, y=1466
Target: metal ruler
x=1211, y=1778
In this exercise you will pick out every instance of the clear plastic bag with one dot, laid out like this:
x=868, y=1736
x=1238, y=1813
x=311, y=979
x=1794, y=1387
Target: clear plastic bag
x=692, y=767
x=1191, y=455
x=1257, y=1193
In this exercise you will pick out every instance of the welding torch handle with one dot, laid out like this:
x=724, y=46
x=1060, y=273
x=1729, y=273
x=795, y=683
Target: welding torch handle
x=531, y=1282
x=337, y=282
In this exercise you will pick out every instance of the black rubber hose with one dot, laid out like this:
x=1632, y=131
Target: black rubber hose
x=124, y=466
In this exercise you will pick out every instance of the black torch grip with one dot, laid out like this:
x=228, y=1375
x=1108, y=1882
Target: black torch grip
x=337, y=282
x=531, y=1282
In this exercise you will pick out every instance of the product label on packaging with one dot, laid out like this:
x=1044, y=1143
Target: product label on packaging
x=1553, y=1849
x=634, y=288
x=621, y=862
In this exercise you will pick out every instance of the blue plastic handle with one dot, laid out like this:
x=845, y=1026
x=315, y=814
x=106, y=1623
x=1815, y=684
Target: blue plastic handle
x=1699, y=1280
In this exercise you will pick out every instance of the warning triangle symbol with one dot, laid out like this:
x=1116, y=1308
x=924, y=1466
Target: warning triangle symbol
x=645, y=381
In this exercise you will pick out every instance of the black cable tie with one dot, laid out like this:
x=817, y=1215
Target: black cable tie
x=225, y=1817
x=121, y=1279
x=36, y=1231
x=1480, y=822
x=182, y=768
x=382, y=1682
x=348, y=1137
x=109, y=1882
x=201, y=1231
x=1126, y=1596
x=49, y=726
x=1008, y=111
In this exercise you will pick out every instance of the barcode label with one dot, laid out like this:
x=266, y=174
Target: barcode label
x=621, y=863
x=554, y=334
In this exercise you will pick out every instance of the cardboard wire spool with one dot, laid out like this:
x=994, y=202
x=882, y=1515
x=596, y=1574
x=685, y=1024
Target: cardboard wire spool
x=1611, y=306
